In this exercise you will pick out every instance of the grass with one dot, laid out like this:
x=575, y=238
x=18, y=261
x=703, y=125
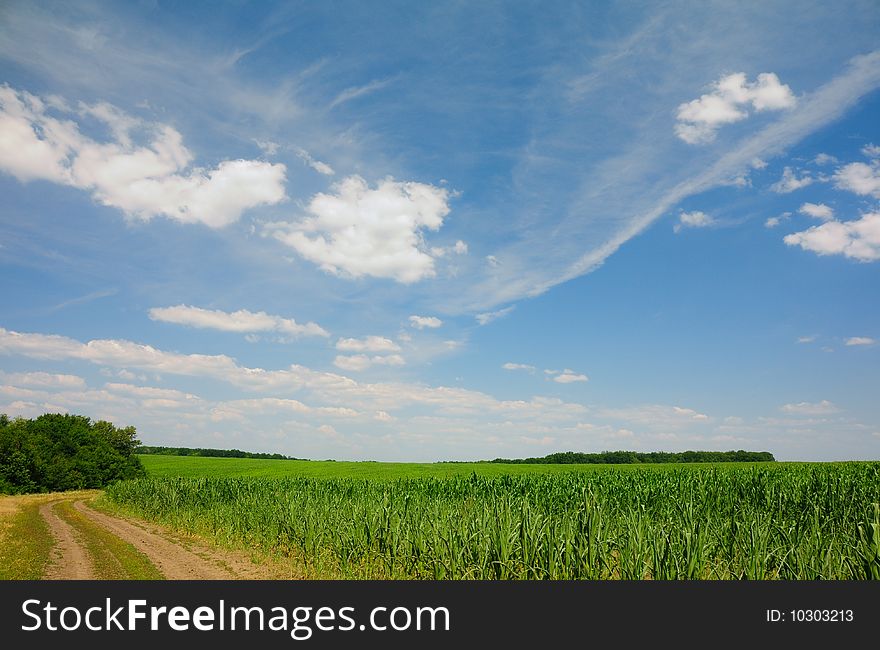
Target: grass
x=113, y=558
x=25, y=540
x=766, y=521
x=197, y=466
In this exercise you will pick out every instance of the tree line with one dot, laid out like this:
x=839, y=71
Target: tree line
x=625, y=457
x=213, y=453
x=56, y=452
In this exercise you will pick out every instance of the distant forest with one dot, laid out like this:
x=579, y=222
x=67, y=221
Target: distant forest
x=213, y=453
x=624, y=457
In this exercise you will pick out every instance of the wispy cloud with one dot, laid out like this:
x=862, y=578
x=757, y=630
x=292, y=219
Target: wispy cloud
x=487, y=317
x=81, y=300
x=354, y=92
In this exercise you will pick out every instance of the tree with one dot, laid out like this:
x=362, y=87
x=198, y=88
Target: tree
x=57, y=452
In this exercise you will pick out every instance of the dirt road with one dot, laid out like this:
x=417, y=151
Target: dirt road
x=88, y=544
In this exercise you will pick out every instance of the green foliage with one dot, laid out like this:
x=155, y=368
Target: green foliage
x=208, y=453
x=777, y=521
x=629, y=457
x=56, y=452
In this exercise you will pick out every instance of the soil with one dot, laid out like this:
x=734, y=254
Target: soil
x=69, y=559
x=176, y=557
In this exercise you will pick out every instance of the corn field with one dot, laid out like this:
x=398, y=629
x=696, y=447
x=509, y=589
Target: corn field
x=788, y=522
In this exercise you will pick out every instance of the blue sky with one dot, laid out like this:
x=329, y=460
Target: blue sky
x=452, y=231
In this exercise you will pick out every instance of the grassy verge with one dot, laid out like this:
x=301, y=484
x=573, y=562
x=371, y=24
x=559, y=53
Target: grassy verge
x=114, y=558
x=25, y=540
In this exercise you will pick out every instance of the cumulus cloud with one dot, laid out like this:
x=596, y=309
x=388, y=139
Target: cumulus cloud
x=356, y=362
x=817, y=211
x=379, y=232
x=694, y=219
x=421, y=322
x=518, y=366
x=487, y=317
x=824, y=159
x=858, y=239
x=871, y=150
x=241, y=321
x=149, y=392
x=569, y=376
x=43, y=380
x=143, y=181
x=859, y=178
x=790, y=182
x=860, y=340
x=810, y=408
x=367, y=344
x=700, y=119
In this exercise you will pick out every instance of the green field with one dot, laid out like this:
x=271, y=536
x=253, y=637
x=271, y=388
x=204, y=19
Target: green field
x=475, y=521
x=198, y=466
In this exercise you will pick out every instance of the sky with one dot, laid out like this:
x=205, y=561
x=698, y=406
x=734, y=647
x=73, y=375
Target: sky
x=445, y=231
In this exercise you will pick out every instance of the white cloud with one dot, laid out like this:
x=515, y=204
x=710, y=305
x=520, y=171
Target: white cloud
x=459, y=248
x=493, y=261
x=817, y=211
x=421, y=322
x=518, y=366
x=361, y=231
x=149, y=392
x=317, y=165
x=357, y=362
x=358, y=91
x=772, y=222
x=807, y=339
x=860, y=340
x=700, y=119
x=790, y=182
x=43, y=380
x=487, y=317
x=568, y=376
x=757, y=163
x=859, y=178
x=810, y=408
x=242, y=321
x=656, y=416
x=858, y=239
x=694, y=219
x=871, y=150
x=824, y=159
x=268, y=147
x=323, y=386
x=142, y=181
x=367, y=344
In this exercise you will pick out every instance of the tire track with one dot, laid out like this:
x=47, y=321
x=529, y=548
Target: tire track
x=69, y=560
x=174, y=561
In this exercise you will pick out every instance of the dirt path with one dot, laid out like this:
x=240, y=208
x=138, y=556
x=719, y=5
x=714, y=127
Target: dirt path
x=173, y=560
x=69, y=559
x=174, y=556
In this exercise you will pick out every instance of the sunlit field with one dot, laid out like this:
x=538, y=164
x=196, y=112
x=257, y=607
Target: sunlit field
x=480, y=521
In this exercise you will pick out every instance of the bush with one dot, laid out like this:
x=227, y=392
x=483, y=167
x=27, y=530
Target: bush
x=57, y=452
